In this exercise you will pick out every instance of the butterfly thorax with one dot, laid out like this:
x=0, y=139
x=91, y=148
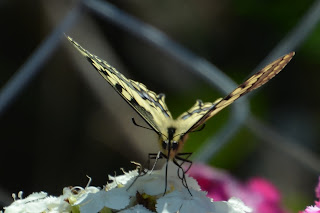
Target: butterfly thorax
x=172, y=142
x=152, y=108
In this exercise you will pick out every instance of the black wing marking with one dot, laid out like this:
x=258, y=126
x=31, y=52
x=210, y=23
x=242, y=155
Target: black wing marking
x=150, y=106
x=200, y=112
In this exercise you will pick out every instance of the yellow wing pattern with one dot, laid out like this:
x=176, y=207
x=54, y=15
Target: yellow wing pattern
x=150, y=106
x=201, y=112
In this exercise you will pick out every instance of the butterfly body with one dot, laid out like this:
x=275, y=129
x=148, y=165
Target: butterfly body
x=152, y=108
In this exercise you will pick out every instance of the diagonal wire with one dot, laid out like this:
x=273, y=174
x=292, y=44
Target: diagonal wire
x=209, y=72
x=194, y=63
x=288, y=146
x=296, y=37
x=12, y=89
x=291, y=42
x=198, y=65
x=158, y=39
x=29, y=70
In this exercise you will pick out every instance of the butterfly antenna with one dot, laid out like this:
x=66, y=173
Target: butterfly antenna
x=138, y=125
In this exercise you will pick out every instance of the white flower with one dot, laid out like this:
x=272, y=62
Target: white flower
x=39, y=202
x=73, y=194
x=117, y=198
x=233, y=205
x=136, y=209
x=153, y=183
x=182, y=201
x=129, y=194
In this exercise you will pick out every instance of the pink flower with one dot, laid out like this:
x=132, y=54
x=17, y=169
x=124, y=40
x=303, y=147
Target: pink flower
x=257, y=193
x=318, y=190
x=315, y=208
x=312, y=209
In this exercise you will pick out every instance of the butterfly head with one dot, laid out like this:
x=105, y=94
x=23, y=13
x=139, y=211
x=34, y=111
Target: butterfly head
x=172, y=142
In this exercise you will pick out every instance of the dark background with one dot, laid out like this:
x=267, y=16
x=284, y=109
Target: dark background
x=68, y=123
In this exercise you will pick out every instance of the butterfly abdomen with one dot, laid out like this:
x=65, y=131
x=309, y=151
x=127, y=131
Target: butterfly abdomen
x=152, y=108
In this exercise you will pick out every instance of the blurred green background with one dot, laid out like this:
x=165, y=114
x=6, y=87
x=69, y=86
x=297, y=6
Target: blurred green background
x=68, y=123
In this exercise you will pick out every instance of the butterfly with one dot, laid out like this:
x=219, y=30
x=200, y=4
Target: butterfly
x=153, y=109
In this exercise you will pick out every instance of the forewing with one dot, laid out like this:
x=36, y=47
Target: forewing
x=150, y=106
x=200, y=113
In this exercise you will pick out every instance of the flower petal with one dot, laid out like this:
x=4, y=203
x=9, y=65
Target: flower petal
x=117, y=198
x=136, y=209
x=182, y=201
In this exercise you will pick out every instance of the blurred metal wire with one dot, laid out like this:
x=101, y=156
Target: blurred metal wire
x=207, y=71
x=296, y=37
x=291, y=42
x=203, y=68
x=149, y=34
x=29, y=70
x=210, y=73
x=285, y=145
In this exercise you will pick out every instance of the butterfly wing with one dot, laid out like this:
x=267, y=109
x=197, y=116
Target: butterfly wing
x=201, y=112
x=150, y=106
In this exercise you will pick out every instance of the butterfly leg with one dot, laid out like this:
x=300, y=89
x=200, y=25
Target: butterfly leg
x=155, y=157
x=183, y=176
x=184, y=159
x=141, y=171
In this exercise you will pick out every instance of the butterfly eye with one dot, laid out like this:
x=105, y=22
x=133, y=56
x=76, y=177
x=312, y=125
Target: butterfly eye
x=165, y=144
x=174, y=145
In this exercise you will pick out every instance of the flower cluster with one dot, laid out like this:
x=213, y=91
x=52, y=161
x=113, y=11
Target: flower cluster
x=145, y=195
x=316, y=207
x=258, y=193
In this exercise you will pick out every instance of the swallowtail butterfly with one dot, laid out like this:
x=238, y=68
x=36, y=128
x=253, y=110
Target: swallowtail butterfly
x=152, y=108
